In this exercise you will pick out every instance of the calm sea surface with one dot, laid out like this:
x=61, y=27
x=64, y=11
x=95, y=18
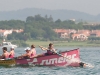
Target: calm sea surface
x=89, y=55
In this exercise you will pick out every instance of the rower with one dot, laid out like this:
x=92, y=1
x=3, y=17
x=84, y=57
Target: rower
x=12, y=53
x=5, y=54
x=33, y=51
x=50, y=49
x=26, y=55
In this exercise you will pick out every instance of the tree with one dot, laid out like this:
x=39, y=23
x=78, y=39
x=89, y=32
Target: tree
x=50, y=19
x=30, y=19
x=58, y=21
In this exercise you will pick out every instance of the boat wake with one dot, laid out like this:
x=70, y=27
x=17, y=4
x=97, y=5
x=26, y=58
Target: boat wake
x=88, y=65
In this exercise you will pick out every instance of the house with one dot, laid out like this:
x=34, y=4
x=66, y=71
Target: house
x=95, y=33
x=79, y=37
x=64, y=33
x=85, y=32
x=61, y=32
x=72, y=20
x=5, y=33
x=18, y=31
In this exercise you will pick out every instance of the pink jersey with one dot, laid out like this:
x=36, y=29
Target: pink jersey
x=6, y=55
x=11, y=56
x=33, y=52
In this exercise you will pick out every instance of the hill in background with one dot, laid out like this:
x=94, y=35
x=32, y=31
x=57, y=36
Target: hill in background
x=56, y=14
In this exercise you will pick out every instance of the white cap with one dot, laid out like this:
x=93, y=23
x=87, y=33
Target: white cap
x=12, y=47
x=27, y=48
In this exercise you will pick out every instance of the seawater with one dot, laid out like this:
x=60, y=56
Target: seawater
x=89, y=55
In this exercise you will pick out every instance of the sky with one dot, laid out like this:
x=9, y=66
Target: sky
x=87, y=6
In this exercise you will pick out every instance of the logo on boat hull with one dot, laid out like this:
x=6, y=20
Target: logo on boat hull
x=59, y=60
x=66, y=59
x=32, y=63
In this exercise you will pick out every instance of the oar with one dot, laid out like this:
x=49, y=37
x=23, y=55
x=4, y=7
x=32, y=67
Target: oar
x=63, y=56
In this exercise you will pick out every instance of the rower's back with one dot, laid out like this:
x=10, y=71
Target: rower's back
x=5, y=54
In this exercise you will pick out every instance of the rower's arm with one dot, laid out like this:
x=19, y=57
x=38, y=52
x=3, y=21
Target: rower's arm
x=54, y=50
x=10, y=53
x=3, y=55
x=43, y=48
x=24, y=55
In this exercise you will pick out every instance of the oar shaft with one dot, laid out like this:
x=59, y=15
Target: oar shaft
x=63, y=56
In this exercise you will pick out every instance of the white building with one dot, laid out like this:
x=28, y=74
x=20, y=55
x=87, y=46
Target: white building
x=4, y=33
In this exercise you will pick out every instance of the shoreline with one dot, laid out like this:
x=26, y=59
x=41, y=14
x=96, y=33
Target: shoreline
x=63, y=44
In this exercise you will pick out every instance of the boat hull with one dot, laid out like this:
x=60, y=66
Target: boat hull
x=69, y=58
x=66, y=58
x=9, y=62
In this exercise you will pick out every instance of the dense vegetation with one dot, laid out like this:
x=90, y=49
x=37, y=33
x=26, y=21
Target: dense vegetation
x=41, y=28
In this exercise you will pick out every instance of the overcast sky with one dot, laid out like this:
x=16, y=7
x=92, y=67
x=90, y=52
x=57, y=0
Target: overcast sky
x=88, y=6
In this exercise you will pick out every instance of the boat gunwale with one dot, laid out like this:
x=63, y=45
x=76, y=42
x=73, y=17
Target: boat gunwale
x=41, y=56
x=52, y=54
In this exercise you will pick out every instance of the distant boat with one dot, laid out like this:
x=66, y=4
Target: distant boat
x=8, y=45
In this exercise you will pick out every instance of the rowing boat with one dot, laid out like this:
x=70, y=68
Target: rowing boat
x=64, y=58
x=7, y=62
